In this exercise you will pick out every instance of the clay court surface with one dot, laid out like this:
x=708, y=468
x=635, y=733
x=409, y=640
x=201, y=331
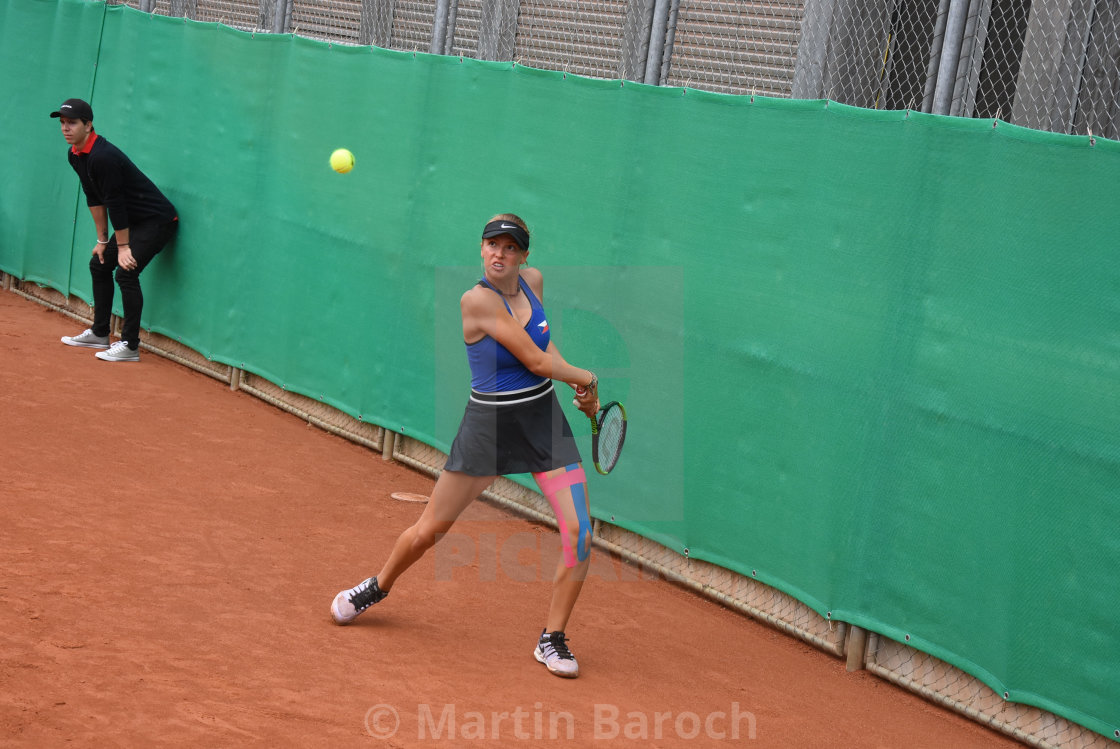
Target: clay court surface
x=170, y=549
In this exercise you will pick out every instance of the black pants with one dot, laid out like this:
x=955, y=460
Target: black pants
x=145, y=240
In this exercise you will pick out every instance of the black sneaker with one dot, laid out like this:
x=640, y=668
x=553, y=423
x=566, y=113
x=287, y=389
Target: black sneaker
x=552, y=651
x=349, y=603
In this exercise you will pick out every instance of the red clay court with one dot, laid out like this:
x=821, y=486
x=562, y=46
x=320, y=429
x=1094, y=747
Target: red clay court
x=170, y=550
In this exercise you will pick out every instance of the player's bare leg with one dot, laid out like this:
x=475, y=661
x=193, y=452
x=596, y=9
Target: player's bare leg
x=450, y=496
x=566, y=490
x=566, y=586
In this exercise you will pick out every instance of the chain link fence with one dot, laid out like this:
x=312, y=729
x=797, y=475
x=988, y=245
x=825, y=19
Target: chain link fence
x=1045, y=64
x=945, y=685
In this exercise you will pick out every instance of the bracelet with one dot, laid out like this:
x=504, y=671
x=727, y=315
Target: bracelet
x=594, y=382
x=106, y=241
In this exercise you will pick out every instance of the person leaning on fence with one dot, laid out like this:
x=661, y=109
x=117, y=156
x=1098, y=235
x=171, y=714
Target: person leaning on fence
x=513, y=424
x=143, y=220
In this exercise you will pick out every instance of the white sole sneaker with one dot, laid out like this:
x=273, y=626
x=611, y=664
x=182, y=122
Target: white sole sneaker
x=561, y=672
x=341, y=610
x=556, y=657
x=119, y=351
x=86, y=339
x=349, y=603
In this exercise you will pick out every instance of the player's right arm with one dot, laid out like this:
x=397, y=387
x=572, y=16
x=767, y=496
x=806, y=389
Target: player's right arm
x=101, y=222
x=107, y=178
x=485, y=315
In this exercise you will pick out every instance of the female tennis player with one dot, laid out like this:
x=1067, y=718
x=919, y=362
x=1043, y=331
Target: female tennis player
x=513, y=424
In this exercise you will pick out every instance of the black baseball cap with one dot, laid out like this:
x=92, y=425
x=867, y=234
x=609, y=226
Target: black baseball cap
x=75, y=109
x=495, y=228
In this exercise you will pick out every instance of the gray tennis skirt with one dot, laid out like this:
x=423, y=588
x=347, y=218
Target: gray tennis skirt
x=520, y=432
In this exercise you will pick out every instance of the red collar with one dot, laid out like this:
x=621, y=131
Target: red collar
x=86, y=148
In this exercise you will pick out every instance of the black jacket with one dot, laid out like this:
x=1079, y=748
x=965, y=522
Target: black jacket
x=110, y=179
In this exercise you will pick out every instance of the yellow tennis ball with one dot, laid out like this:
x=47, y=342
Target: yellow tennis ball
x=342, y=161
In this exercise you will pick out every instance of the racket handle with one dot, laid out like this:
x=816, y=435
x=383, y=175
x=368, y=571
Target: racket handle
x=580, y=390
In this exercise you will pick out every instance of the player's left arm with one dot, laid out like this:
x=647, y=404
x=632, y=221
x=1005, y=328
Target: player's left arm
x=588, y=400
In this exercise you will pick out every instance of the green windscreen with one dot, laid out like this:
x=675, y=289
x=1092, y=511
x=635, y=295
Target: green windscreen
x=870, y=358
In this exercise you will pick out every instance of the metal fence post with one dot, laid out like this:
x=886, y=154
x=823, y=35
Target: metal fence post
x=950, y=56
x=449, y=36
x=936, y=46
x=856, y=647
x=659, y=28
x=971, y=60
x=670, y=40
x=439, y=27
x=281, y=16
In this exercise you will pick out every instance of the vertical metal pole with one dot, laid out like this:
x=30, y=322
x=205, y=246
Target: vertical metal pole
x=146, y=6
x=657, y=32
x=388, y=443
x=936, y=46
x=857, y=647
x=670, y=40
x=950, y=56
x=971, y=58
x=281, y=16
x=636, y=29
x=439, y=27
x=449, y=34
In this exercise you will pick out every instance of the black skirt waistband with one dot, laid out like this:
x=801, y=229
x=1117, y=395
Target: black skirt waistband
x=513, y=396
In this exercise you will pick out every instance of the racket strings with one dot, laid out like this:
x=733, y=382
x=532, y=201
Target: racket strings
x=611, y=432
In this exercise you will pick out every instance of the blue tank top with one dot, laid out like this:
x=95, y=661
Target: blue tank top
x=493, y=368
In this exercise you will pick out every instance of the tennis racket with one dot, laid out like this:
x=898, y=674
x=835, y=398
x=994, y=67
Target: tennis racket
x=608, y=433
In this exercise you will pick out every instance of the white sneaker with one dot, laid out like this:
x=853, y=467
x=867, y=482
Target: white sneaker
x=86, y=338
x=119, y=351
x=552, y=651
x=349, y=603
